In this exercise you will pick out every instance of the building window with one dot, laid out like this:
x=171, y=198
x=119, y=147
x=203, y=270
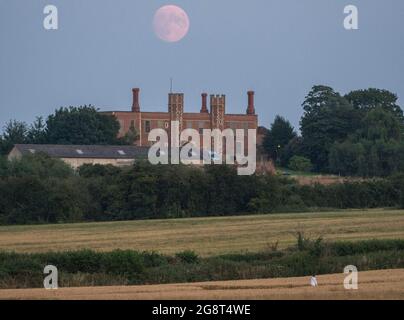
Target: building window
x=132, y=123
x=160, y=124
x=147, y=126
x=189, y=125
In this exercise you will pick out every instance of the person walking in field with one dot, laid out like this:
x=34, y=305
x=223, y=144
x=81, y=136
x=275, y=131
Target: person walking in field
x=313, y=281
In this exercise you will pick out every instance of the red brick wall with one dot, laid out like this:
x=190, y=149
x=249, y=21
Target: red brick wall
x=216, y=118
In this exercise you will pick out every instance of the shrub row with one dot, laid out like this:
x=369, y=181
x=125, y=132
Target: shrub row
x=86, y=268
x=36, y=190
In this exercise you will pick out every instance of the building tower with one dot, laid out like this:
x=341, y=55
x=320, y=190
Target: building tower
x=176, y=110
x=217, y=111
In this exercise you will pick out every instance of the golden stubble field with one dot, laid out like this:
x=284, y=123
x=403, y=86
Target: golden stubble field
x=206, y=236
x=382, y=284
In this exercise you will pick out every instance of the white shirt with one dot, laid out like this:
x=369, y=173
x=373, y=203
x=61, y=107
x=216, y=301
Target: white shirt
x=313, y=282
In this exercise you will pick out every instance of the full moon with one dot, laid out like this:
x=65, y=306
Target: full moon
x=171, y=23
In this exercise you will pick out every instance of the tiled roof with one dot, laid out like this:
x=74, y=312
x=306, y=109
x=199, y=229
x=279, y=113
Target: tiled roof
x=86, y=151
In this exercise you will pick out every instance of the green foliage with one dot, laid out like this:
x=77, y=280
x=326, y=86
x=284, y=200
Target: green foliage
x=298, y=163
x=131, y=136
x=39, y=165
x=360, y=134
x=368, y=99
x=328, y=118
x=398, y=184
x=379, y=124
x=38, y=189
x=37, y=132
x=278, y=137
x=133, y=267
x=295, y=147
x=14, y=132
x=97, y=170
x=348, y=158
x=376, y=149
x=187, y=256
x=81, y=125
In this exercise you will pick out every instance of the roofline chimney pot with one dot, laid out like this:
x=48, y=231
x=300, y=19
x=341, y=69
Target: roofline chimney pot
x=135, y=105
x=204, y=103
x=251, y=107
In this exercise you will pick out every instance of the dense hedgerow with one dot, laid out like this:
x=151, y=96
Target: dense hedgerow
x=38, y=189
x=86, y=268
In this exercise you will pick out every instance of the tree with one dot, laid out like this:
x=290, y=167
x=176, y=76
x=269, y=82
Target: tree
x=328, y=118
x=37, y=132
x=376, y=149
x=379, y=124
x=298, y=163
x=15, y=132
x=40, y=165
x=131, y=136
x=348, y=158
x=368, y=99
x=81, y=125
x=278, y=137
x=295, y=147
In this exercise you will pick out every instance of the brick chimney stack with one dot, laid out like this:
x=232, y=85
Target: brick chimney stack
x=135, y=105
x=204, y=103
x=250, y=108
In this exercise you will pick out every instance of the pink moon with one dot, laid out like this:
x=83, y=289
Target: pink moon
x=171, y=23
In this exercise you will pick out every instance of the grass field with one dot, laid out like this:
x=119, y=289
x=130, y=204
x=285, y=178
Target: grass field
x=383, y=284
x=206, y=236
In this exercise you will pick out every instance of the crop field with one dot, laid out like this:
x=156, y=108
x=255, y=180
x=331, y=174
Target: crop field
x=206, y=236
x=382, y=284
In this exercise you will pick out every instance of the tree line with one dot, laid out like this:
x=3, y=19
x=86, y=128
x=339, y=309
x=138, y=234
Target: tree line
x=82, y=125
x=39, y=189
x=358, y=134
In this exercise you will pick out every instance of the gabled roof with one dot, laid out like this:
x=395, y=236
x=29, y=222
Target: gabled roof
x=85, y=151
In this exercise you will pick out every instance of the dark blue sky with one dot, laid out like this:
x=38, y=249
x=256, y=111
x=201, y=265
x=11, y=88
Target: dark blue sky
x=279, y=48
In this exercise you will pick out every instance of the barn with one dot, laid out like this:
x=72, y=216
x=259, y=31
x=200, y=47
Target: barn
x=76, y=155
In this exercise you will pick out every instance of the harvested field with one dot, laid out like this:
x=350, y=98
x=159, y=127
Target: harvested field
x=206, y=236
x=382, y=284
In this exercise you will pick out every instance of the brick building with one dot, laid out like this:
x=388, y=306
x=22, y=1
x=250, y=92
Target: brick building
x=213, y=118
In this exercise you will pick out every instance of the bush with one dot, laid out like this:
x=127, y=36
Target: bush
x=298, y=163
x=88, y=268
x=31, y=194
x=402, y=200
x=188, y=257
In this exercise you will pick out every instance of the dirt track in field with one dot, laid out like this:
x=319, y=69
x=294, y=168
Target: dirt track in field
x=382, y=284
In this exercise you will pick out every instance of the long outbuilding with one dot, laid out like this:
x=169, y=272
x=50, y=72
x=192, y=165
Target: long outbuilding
x=76, y=155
